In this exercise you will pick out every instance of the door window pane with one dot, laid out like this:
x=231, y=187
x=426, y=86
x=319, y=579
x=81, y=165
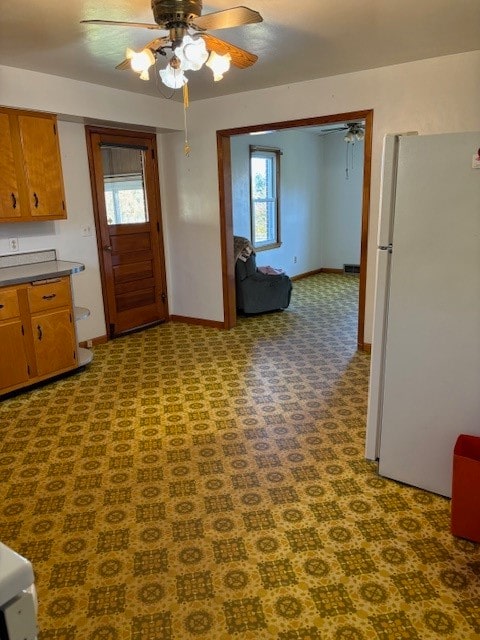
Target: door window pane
x=124, y=185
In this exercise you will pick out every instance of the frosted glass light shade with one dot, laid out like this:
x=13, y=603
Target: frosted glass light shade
x=192, y=53
x=218, y=64
x=141, y=61
x=173, y=78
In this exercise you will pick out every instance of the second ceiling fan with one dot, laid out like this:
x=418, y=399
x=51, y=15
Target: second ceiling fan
x=188, y=41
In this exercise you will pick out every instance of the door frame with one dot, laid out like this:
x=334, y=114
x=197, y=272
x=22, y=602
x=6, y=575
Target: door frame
x=226, y=205
x=97, y=184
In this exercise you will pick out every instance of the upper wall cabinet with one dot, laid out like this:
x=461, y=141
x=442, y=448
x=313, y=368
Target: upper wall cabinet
x=31, y=180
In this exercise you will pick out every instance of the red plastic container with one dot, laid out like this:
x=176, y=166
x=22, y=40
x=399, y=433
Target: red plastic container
x=465, y=522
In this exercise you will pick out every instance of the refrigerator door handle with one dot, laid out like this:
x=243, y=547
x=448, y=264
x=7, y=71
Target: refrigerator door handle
x=388, y=247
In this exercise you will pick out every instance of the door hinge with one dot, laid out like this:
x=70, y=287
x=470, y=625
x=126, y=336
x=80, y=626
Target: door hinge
x=158, y=226
x=23, y=331
x=164, y=296
x=54, y=129
x=112, y=329
x=28, y=369
x=63, y=205
x=153, y=153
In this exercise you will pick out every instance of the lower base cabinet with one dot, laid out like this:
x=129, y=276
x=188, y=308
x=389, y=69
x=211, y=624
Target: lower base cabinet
x=14, y=369
x=37, y=333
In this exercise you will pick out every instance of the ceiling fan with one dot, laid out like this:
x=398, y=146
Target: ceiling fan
x=353, y=130
x=188, y=41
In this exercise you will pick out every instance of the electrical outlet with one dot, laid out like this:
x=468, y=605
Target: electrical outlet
x=86, y=230
x=294, y=259
x=89, y=344
x=13, y=244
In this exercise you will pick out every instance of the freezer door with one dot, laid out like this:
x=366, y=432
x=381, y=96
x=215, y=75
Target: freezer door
x=432, y=348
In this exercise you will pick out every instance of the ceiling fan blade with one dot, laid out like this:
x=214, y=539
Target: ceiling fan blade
x=115, y=23
x=240, y=58
x=153, y=45
x=235, y=17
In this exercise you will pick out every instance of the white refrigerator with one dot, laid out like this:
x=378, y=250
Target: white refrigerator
x=425, y=367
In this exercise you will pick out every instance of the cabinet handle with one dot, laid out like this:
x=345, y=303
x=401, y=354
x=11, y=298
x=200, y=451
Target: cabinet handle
x=1, y=306
x=35, y=199
x=40, y=332
x=50, y=297
x=14, y=201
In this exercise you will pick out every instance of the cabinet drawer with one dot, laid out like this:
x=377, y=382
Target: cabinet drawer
x=8, y=304
x=49, y=295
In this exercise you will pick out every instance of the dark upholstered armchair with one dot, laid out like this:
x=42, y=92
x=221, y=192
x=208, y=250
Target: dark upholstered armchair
x=259, y=292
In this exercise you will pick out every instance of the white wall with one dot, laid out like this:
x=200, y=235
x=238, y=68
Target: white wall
x=76, y=101
x=300, y=198
x=321, y=209
x=342, y=204
x=429, y=96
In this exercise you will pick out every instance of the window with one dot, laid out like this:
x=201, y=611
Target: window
x=123, y=177
x=264, y=189
x=124, y=199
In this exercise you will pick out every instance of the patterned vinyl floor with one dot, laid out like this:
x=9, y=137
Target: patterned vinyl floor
x=200, y=484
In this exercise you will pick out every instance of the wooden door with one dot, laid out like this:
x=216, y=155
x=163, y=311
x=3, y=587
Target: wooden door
x=125, y=183
x=42, y=165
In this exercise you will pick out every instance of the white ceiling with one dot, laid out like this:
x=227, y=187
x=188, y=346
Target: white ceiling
x=297, y=41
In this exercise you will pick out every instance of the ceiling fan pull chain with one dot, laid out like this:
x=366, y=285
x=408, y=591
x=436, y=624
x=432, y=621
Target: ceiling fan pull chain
x=186, y=147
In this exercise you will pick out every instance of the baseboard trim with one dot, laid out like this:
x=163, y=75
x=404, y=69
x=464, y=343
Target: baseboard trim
x=315, y=272
x=367, y=347
x=198, y=321
x=98, y=340
x=330, y=270
x=306, y=275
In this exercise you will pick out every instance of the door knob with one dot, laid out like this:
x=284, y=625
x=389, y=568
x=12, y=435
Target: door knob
x=107, y=247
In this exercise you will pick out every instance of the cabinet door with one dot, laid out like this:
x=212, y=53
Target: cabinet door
x=9, y=195
x=13, y=361
x=43, y=172
x=54, y=341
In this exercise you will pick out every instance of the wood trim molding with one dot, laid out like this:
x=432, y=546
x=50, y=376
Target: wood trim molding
x=95, y=341
x=300, y=276
x=339, y=272
x=226, y=215
x=198, y=321
x=367, y=347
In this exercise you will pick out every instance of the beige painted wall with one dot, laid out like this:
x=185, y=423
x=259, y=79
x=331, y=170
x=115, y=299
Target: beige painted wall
x=432, y=96
x=76, y=103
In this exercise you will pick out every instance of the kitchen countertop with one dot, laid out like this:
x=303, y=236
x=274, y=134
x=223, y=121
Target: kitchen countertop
x=38, y=271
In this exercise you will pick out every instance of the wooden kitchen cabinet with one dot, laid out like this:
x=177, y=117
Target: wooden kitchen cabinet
x=31, y=178
x=40, y=340
x=14, y=368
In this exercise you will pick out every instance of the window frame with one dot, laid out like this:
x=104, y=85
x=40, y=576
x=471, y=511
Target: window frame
x=275, y=153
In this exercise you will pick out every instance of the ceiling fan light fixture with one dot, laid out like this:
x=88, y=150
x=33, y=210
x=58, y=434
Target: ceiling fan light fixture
x=173, y=77
x=360, y=134
x=218, y=64
x=141, y=61
x=349, y=136
x=192, y=53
